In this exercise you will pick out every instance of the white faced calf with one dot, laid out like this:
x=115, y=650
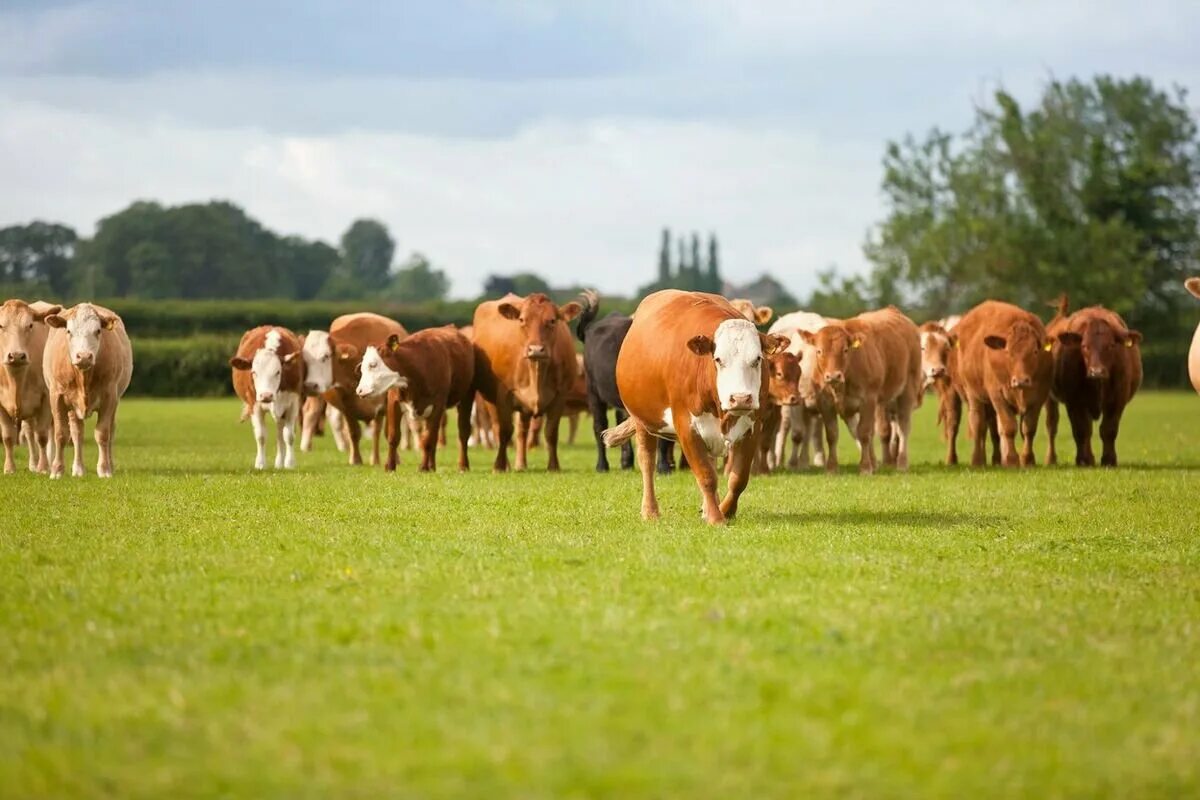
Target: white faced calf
x=276, y=374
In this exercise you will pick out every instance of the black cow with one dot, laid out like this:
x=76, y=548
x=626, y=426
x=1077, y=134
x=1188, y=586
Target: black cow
x=601, y=343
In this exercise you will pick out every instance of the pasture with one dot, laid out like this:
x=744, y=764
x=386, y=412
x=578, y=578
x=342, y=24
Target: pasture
x=193, y=629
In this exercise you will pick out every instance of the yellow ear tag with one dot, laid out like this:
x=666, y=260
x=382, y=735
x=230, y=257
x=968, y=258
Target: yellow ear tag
x=1129, y=342
x=857, y=343
x=1048, y=346
x=394, y=345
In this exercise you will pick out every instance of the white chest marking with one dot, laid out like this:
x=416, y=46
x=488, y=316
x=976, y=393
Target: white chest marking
x=668, y=423
x=717, y=443
x=411, y=411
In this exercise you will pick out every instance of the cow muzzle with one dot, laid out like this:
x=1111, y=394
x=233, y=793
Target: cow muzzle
x=1021, y=382
x=311, y=388
x=83, y=361
x=1097, y=373
x=265, y=397
x=536, y=352
x=740, y=404
x=790, y=400
x=16, y=358
x=933, y=373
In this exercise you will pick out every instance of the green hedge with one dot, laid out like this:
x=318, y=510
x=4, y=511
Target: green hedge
x=195, y=366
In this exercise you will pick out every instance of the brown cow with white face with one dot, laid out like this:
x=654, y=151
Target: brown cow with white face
x=783, y=394
x=1005, y=368
x=1193, y=286
x=1097, y=370
x=869, y=366
x=692, y=368
x=430, y=371
x=268, y=376
x=530, y=368
x=939, y=360
x=87, y=365
x=23, y=396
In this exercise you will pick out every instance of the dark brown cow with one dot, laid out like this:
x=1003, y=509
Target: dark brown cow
x=268, y=375
x=530, y=367
x=939, y=361
x=1004, y=366
x=783, y=393
x=23, y=395
x=869, y=366
x=693, y=368
x=1097, y=371
x=430, y=371
x=349, y=336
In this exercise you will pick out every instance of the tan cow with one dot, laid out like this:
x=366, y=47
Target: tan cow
x=87, y=365
x=1004, y=367
x=939, y=362
x=349, y=336
x=692, y=368
x=1193, y=286
x=759, y=315
x=802, y=420
x=530, y=360
x=268, y=376
x=23, y=397
x=783, y=395
x=870, y=366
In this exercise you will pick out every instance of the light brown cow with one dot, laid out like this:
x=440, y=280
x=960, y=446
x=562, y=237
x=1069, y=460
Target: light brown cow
x=759, y=315
x=1097, y=371
x=939, y=362
x=530, y=360
x=576, y=404
x=87, y=365
x=268, y=376
x=783, y=395
x=349, y=336
x=1193, y=286
x=692, y=368
x=1004, y=366
x=870, y=366
x=431, y=370
x=23, y=396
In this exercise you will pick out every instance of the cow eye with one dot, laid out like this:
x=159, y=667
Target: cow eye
x=719, y=362
x=820, y=352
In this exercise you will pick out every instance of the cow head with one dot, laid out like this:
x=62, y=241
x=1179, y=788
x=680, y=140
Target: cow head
x=759, y=315
x=784, y=388
x=1100, y=345
x=377, y=376
x=266, y=367
x=317, y=352
x=538, y=316
x=835, y=347
x=17, y=321
x=936, y=346
x=737, y=350
x=1023, y=348
x=84, y=323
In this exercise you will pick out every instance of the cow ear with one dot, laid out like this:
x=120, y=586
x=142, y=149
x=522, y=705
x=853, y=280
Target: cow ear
x=995, y=342
x=40, y=316
x=701, y=345
x=857, y=342
x=1070, y=339
x=570, y=311
x=808, y=336
x=774, y=344
x=346, y=352
x=393, y=343
x=763, y=314
x=54, y=320
x=1131, y=338
x=290, y=357
x=1193, y=286
x=952, y=338
x=237, y=362
x=509, y=311
x=108, y=322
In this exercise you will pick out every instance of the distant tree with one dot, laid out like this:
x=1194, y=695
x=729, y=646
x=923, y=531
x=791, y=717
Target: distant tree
x=416, y=281
x=309, y=265
x=37, y=254
x=713, y=275
x=498, y=285
x=664, y=258
x=367, y=251
x=839, y=296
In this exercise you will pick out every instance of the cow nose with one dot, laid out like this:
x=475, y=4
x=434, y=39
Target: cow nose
x=1097, y=372
x=937, y=372
x=792, y=399
x=741, y=401
x=17, y=357
x=310, y=387
x=535, y=351
x=265, y=397
x=362, y=391
x=1022, y=383
x=834, y=377
x=83, y=359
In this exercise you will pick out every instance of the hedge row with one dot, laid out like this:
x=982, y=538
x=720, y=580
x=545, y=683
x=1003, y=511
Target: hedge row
x=198, y=366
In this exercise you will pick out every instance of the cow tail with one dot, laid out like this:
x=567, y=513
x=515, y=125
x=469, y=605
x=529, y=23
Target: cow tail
x=615, y=437
x=591, y=306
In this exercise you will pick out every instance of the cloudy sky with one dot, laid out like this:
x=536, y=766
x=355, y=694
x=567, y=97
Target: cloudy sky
x=527, y=135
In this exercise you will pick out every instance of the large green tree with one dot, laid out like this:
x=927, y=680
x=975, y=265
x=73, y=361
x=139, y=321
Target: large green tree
x=417, y=281
x=367, y=251
x=1092, y=191
x=37, y=257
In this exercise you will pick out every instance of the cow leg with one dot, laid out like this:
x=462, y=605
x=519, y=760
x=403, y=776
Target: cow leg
x=902, y=429
x=103, y=434
x=416, y=431
x=429, y=438
x=572, y=427
x=376, y=437
x=645, y=456
x=1110, y=426
x=994, y=433
x=1051, y=431
x=280, y=424
x=666, y=457
x=310, y=417
x=1081, y=429
x=800, y=436
x=779, y=445
x=739, y=475
x=336, y=422
x=395, y=420
x=883, y=429
x=550, y=431
x=504, y=418
x=58, y=409
x=867, y=424
x=42, y=434
x=627, y=448
x=9, y=430
x=701, y=464
x=76, y=425
x=354, y=430
x=1029, y=426
x=953, y=421
x=534, y=428
x=829, y=422
x=1006, y=423
x=522, y=440
x=977, y=428
x=291, y=419
x=599, y=412
x=442, y=430
x=464, y=430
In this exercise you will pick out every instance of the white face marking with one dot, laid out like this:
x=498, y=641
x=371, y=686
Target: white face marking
x=738, y=356
x=933, y=349
x=267, y=372
x=83, y=332
x=318, y=361
x=376, y=377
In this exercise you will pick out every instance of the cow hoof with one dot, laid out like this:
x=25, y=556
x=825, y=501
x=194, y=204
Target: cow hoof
x=77, y=472
x=54, y=476
x=602, y=468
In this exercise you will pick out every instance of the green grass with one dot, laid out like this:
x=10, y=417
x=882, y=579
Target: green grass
x=193, y=629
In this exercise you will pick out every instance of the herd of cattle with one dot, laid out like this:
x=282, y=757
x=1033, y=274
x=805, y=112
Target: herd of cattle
x=688, y=369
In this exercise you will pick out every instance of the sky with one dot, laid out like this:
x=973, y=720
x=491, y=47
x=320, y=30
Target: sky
x=520, y=135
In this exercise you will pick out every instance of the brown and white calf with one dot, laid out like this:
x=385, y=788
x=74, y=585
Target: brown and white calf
x=692, y=368
x=939, y=361
x=431, y=370
x=350, y=335
x=87, y=365
x=317, y=353
x=869, y=366
x=783, y=395
x=23, y=397
x=803, y=420
x=268, y=375
x=1193, y=286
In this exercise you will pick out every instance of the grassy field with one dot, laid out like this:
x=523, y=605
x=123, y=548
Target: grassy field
x=193, y=629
